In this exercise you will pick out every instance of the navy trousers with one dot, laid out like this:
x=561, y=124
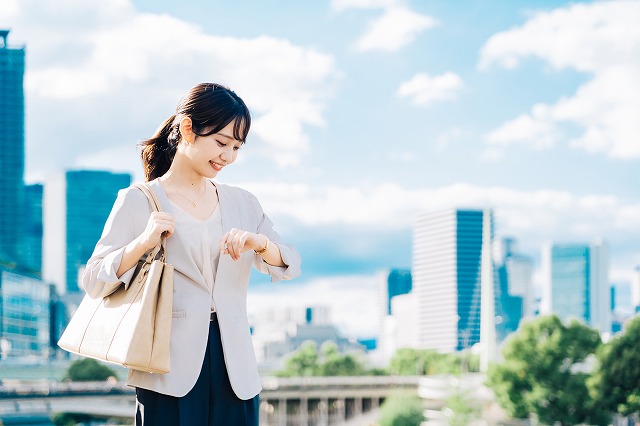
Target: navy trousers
x=211, y=402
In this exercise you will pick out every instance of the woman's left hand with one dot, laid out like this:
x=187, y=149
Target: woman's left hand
x=236, y=241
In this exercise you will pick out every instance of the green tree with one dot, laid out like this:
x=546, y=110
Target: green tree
x=88, y=369
x=333, y=363
x=303, y=362
x=542, y=373
x=401, y=410
x=461, y=409
x=409, y=362
x=616, y=381
x=328, y=361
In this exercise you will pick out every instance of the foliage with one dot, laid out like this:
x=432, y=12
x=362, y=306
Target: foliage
x=87, y=369
x=541, y=373
x=308, y=361
x=615, y=383
x=401, y=410
x=408, y=362
x=70, y=419
x=461, y=409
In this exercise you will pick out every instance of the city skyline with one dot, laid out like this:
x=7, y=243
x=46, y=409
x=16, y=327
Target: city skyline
x=355, y=134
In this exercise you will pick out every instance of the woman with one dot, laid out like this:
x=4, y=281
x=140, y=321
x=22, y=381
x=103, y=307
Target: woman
x=215, y=233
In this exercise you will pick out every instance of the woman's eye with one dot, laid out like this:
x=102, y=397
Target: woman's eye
x=221, y=144
x=236, y=148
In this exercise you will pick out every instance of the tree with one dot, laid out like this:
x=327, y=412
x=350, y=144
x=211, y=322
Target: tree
x=461, y=409
x=410, y=362
x=401, y=410
x=87, y=369
x=616, y=381
x=308, y=361
x=542, y=373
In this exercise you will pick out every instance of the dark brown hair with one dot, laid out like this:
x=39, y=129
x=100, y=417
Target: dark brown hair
x=211, y=108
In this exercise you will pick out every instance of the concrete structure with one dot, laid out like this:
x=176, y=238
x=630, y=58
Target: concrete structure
x=76, y=207
x=278, y=332
x=12, y=63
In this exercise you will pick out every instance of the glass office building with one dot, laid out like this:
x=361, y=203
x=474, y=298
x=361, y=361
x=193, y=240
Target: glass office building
x=394, y=283
x=11, y=147
x=24, y=316
x=76, y=206
x=32, y=235
x=447, y=249
x=577, y=283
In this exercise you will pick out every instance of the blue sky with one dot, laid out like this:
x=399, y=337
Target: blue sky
x=366, y=113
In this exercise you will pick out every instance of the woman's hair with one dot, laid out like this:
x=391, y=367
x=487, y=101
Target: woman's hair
x=211, y=108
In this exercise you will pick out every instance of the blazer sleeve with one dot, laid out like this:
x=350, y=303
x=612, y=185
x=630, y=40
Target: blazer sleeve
x=290, y=255
x=99, y=278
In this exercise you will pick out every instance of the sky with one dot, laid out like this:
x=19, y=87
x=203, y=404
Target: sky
x=366, y=113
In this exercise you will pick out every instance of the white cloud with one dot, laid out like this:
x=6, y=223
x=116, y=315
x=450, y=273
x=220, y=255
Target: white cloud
x=424, y=89
x=396, y=28
x=341, y=5
x=534, y=216
x=140, y=64
x=599, y=39
x=355, y=312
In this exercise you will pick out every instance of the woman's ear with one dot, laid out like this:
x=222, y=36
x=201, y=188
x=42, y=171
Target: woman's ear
x=186, y=130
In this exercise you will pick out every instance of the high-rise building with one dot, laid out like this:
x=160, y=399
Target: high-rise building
x=446, y=271
x=393, y=282
x=635, y=289
x=517, y=300
x=76, y=207
x=577, y=283
x=11, y=148
x=32, y=235
x=24, y=316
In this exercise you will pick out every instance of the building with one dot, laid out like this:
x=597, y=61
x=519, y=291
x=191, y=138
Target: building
x=446, y=272
x=76, y=207
x=32, y=235
x=393, y=282
x=278, y=332
x=515, y=278
x=12, y=62
x=24, y=317
x=577, y=283
x=635, y=289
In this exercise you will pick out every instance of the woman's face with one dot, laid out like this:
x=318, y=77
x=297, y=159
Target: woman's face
x=210, y=154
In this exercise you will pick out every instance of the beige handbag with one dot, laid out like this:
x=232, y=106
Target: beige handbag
x=131, y=326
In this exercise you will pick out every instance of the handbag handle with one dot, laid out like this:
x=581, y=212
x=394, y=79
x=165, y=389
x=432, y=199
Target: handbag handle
x=155, y=206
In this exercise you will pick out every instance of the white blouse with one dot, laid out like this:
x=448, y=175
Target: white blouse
x=203, y=237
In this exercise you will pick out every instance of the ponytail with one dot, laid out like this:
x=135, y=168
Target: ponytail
x=158, y=151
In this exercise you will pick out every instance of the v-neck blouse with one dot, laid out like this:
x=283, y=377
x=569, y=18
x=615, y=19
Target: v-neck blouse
x=202, y=238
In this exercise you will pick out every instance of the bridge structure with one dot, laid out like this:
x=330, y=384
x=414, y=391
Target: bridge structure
x=308, y=401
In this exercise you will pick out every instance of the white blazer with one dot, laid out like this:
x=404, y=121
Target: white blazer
x=192, y=297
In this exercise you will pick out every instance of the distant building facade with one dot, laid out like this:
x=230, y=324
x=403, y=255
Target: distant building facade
x=577, y=283
x=77, y=205
x=24, y=316
x=32, y=235
x=393, y=282
x=446, y=271
x=12, y=63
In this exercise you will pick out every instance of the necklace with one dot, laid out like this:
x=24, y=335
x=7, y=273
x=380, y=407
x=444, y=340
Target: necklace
x=193, y=203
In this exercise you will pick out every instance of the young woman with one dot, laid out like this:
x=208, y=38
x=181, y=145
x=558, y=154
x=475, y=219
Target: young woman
x=215, y=233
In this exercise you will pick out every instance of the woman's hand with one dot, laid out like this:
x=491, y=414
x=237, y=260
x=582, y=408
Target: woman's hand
x=159, y=223
x=236, y=241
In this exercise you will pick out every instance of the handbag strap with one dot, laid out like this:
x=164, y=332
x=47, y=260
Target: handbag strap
x=155, y=206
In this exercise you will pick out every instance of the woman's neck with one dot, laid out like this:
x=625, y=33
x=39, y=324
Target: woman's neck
x=183, y=177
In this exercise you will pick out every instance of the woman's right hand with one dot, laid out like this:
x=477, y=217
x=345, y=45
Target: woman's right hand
x=159, y=223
